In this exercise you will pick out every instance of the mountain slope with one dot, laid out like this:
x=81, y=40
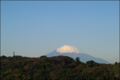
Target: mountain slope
x=74, y=52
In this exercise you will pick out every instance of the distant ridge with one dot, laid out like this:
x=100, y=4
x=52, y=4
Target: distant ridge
x=73, y=52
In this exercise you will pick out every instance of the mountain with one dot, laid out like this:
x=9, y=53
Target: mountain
x=73, y=52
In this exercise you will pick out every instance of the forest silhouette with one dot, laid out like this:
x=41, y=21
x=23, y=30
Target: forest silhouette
x=56, y=68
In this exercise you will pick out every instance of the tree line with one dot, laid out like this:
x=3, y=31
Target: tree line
x=56, y=68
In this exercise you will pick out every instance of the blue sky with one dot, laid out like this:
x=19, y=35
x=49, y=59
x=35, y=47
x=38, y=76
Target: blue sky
x=35, y=28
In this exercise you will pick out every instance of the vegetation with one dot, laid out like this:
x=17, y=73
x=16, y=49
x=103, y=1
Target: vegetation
x=56, y=68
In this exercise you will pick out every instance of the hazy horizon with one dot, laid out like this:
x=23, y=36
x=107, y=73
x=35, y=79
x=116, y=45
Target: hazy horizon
x=36, y=28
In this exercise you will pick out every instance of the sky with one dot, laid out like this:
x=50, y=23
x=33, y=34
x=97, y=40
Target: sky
x=36, y=28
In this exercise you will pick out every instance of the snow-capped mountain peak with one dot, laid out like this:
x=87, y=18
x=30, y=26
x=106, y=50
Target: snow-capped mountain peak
x=68, y=49
x=73, y=52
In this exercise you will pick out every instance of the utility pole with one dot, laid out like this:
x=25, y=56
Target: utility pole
x=13, y=55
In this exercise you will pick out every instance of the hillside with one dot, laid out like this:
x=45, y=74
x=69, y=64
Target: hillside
x=56, y=68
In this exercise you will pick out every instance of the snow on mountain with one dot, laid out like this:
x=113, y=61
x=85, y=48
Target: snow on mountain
x=73, y=52
x=68, y=49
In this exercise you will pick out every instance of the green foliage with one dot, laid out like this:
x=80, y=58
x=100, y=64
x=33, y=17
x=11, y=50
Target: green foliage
x=116, y=63
x=77, y=60
x=90, y=63
x=43, y=56
x=56, y=68
x=81, y=66
x=3, y=57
